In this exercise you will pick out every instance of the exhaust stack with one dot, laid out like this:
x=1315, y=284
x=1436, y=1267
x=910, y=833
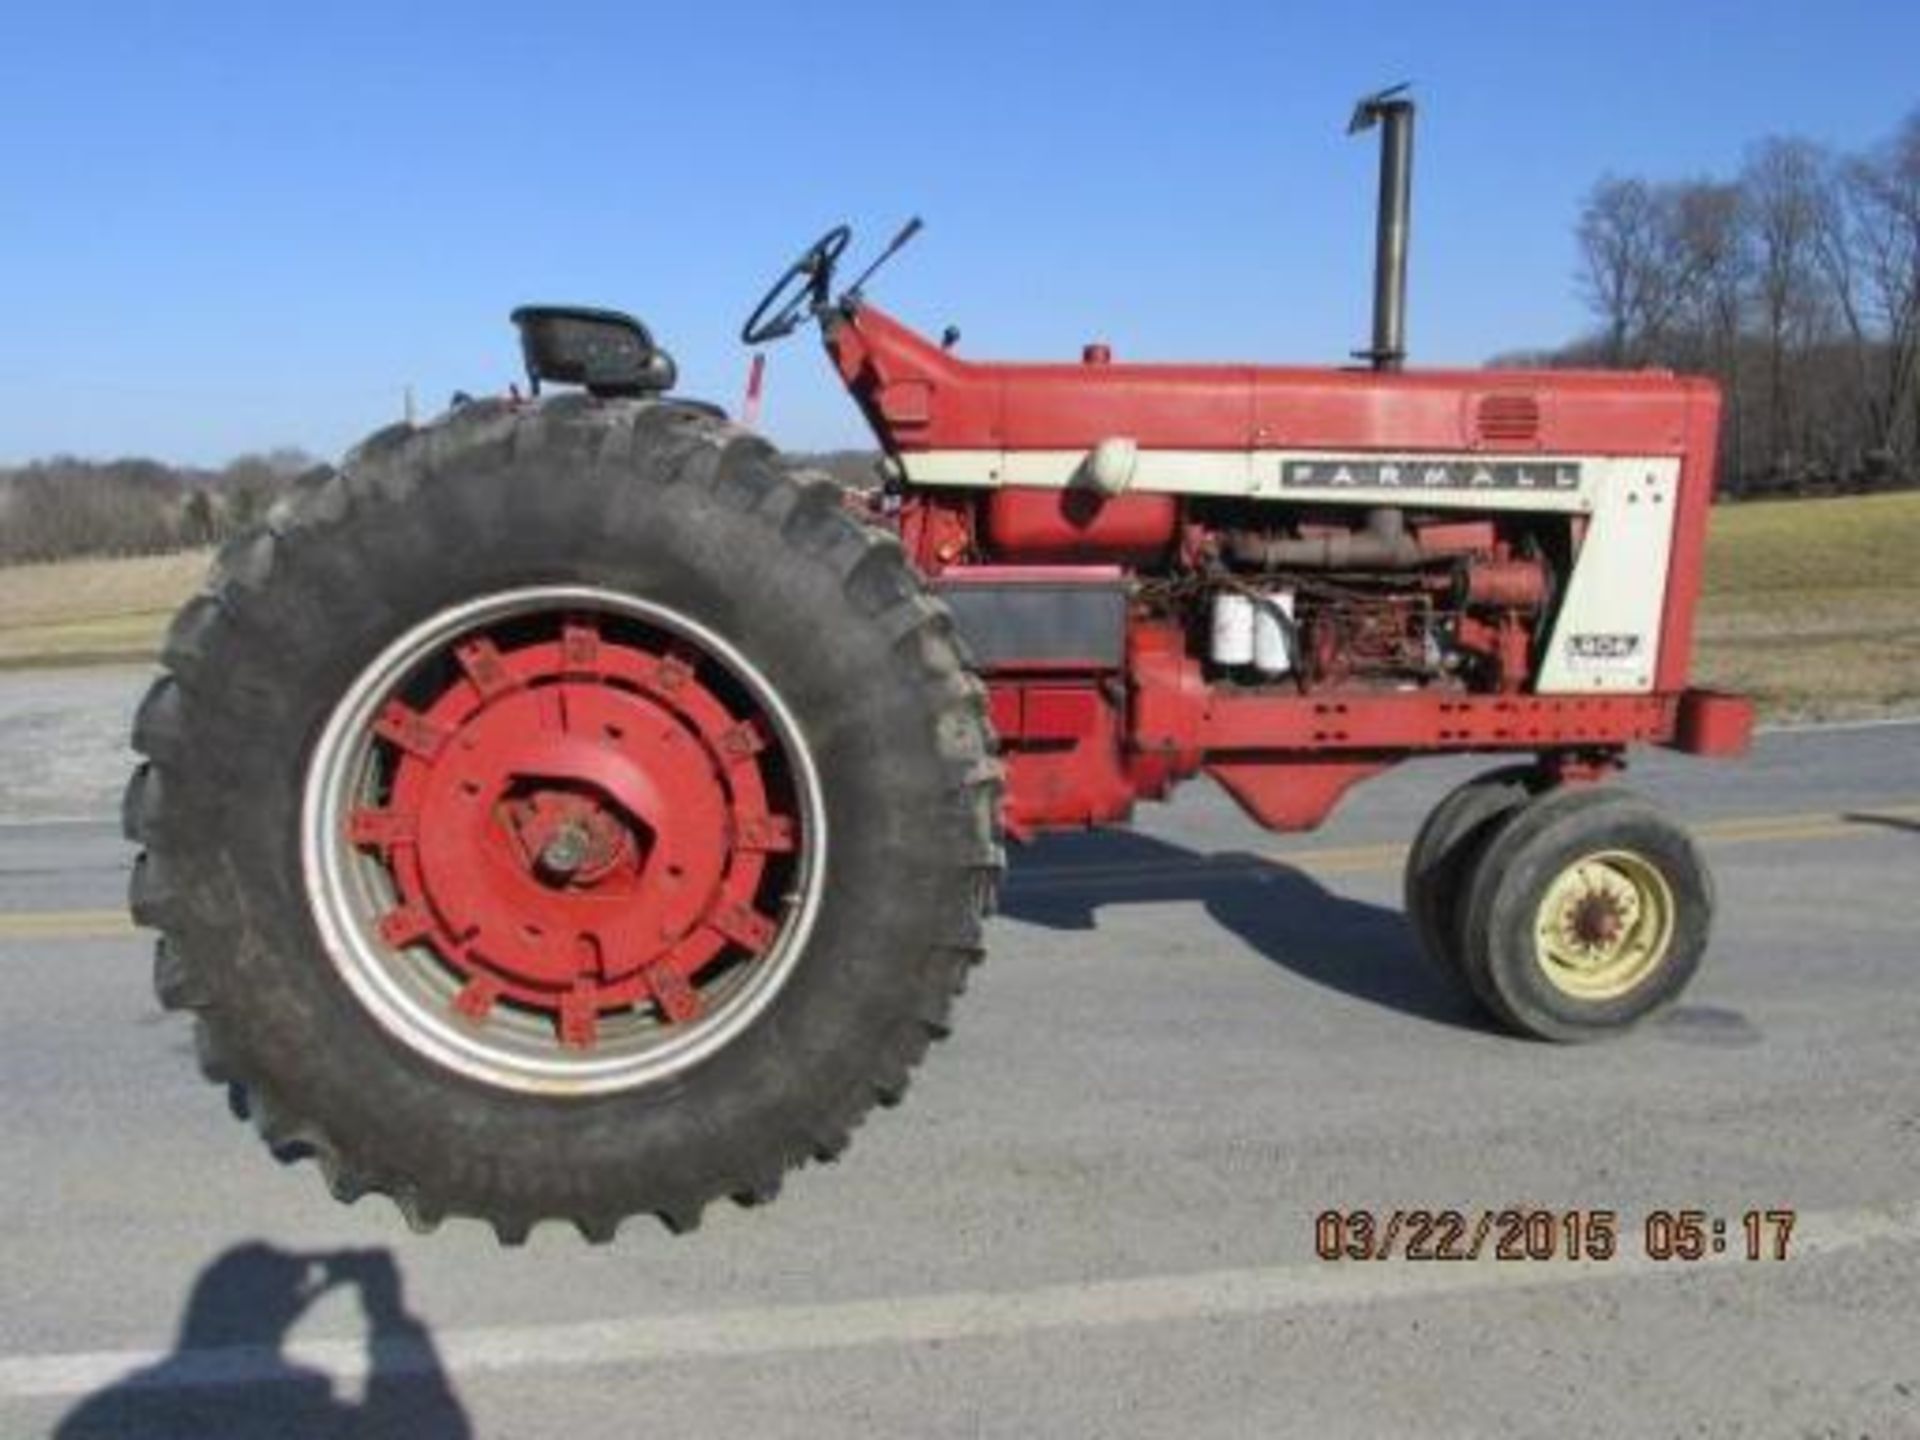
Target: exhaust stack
x=1392, y=110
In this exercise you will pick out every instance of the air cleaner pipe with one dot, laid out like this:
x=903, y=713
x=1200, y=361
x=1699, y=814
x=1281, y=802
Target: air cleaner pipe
x=1385, y=543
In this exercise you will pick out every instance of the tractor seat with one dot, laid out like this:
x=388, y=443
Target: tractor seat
x=604, y=350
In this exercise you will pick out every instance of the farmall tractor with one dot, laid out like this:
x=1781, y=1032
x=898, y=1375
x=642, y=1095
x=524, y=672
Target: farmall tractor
x=571, y=809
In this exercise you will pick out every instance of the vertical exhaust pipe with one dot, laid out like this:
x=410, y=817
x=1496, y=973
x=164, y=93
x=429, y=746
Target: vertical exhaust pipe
x=1392, y=110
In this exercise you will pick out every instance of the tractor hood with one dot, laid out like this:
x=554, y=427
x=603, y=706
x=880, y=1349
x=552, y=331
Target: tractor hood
x=919, y=397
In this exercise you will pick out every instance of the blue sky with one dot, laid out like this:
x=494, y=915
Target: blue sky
x=231, y=226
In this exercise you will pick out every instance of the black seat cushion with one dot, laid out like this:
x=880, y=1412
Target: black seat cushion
x=608, y=352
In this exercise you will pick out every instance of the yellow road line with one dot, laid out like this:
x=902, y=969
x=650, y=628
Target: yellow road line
x=1369, y=859
x=65, y=925
x=1329, y=860
x=1746, y=830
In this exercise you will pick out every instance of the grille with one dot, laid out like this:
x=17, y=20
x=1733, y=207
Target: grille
x=1507, y=419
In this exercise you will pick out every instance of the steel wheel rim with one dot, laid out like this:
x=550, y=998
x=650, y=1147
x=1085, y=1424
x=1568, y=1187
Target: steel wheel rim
x=1605, y=924
x=414, y=991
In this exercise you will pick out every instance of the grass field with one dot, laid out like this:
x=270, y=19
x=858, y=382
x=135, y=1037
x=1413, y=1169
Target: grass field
x=78, y=612
x=1812, y=606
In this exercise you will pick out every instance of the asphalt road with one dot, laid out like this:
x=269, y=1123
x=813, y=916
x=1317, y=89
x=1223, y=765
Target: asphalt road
x=1094, y=1215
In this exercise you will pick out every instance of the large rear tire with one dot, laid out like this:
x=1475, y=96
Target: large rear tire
x=563, y=812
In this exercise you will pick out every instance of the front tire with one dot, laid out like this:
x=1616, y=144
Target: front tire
x=563, y=812
x=1587, y=911
x=1442, y=855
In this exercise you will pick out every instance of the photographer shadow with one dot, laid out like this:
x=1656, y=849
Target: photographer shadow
x=230, y=1374
x=1281, y=913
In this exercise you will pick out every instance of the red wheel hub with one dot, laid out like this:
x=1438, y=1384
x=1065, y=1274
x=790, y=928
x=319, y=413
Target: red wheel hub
x=578, y=825
x=1597, y=920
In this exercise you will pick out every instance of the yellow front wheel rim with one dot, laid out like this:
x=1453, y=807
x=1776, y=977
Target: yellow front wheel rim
x=1604, y=925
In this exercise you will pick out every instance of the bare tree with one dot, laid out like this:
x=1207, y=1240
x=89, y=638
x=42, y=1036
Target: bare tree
x=1708, y=261
x=1619, y=245
x=1880, y=210
x=1784, y=187
x=1797, y=284
x=1646, y=250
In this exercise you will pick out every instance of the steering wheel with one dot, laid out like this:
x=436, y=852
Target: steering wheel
x=779, y=313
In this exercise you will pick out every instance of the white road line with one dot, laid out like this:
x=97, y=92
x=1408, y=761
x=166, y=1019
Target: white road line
x=914, y=1320
x=35, y=822
x=1836, y=727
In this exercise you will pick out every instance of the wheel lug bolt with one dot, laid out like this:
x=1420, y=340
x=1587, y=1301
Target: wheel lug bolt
x=566, y=851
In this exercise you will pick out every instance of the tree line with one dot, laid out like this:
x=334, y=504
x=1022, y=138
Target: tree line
x=1795, y=283
x=63, y=507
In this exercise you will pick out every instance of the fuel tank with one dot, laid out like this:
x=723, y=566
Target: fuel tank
x=1070, y=526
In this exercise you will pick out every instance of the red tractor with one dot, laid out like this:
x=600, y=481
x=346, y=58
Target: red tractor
x=569, y=809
